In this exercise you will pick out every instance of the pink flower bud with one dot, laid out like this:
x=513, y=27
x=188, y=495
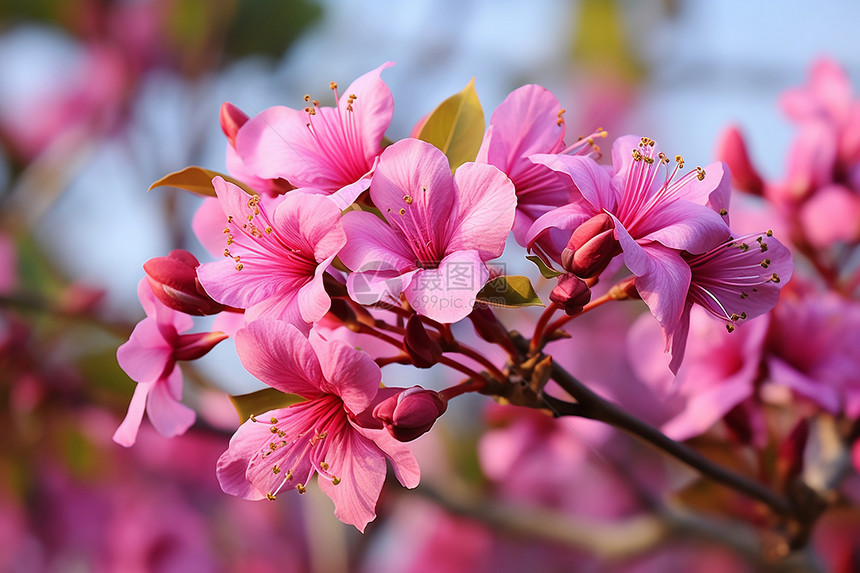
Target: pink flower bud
x=732, y=149
x=194, y=346
x=232, y=118
x=591, y=247
x=410, y=413
x=571, y=293
x=173, y=280
x=422, y=349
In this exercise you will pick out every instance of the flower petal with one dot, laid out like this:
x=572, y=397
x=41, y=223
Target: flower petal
x=447, y=293
x=362, y=472
x=168, y=415
x=414, y=189
x=126, y=433
x=347, y=372
x=277, y=354
x=486, y=202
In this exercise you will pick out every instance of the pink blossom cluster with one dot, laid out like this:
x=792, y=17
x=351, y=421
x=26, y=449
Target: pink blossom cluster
x=325, y=232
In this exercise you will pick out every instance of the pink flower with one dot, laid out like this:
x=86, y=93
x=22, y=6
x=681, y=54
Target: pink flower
x=232, y=120
x=276, y=254
x=284, y=448
x=812, y=349
x=719, y=372
x=332, y=149
x=738, y=280
x=149, y=358
x=656, y=217
x=440, y=231
x=529, y=121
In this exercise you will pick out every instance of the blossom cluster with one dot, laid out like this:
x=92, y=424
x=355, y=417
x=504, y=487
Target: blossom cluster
x=325, y=231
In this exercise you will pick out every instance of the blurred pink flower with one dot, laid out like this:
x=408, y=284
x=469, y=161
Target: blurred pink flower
x=286, y=447
x=149, y=358
x=718, y=373
x=812, y=349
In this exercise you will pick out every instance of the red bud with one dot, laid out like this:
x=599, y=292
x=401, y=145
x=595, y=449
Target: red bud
x=232, y=118
x=173, y=280
x=571, y=293
x=591, y=247
x=423, y=350
x=194, y=346
x=732, y=149
x=410, y=413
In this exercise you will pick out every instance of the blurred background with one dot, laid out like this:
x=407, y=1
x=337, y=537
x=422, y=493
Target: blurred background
x=99, y=99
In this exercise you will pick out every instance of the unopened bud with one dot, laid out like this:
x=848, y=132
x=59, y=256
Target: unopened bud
x=194, y=346
x=232, y=118
x=732, y=149
x=571, y=293
x=423, y=350
x=591, y=247
x=173, y=280
x=410, y=413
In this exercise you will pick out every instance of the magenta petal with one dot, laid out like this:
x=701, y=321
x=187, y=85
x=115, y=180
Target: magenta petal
x=371, y=244
x=208, y=225
x=168, y=416
x=347, y=372
x=486, y=202
x=312, y=223
x=232, y=466
x=685, y=226
x=447, y=293
x=374, y=108
x=146, y=354
x=592, y=180
x=126, y=433
x=277, y=353
x=566, y=218
x=371, y=285
x=362, y=472
x=413, y=183
x=526, y=122
x=313, y=300
x=402, y=459
x=662, y=277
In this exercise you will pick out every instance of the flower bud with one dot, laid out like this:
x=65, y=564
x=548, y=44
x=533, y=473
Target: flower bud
x=410, y=413
x=732, y=149
x=194, y=346
x=571, y=293
x=232, y=118
x=422, y=349
x=591, y=247
x=173, y=280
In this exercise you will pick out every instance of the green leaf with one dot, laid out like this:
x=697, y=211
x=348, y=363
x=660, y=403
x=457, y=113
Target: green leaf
x=262, y=401
x=197, y=180
x=456, y=126
x=509, y=291
x=545, y=271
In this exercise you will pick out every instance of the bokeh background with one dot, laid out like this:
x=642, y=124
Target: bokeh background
x=99, y=99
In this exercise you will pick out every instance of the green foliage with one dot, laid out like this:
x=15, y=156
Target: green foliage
x=197, y=180
x=262, y=401
x=456, y=126
x=509, y=291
